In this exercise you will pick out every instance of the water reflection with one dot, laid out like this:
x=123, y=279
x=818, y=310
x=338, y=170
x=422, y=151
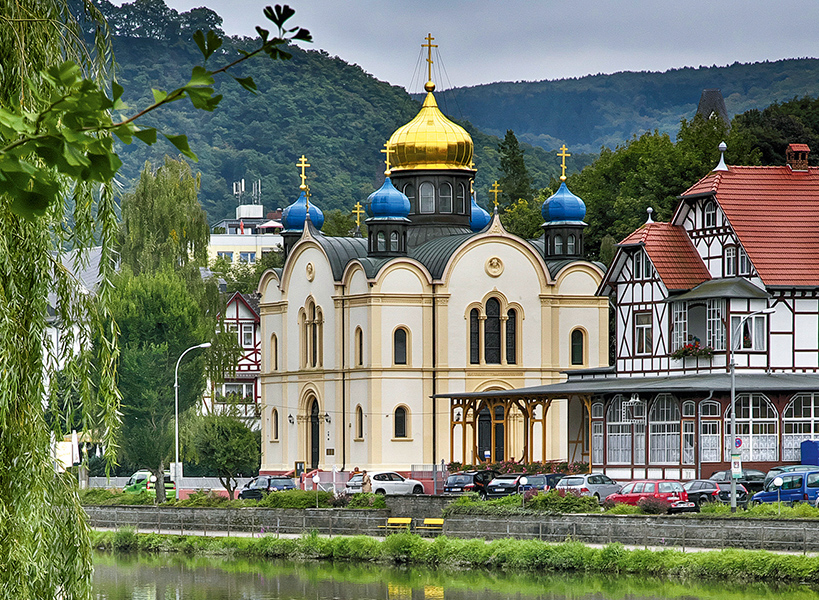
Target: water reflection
x=163, y=577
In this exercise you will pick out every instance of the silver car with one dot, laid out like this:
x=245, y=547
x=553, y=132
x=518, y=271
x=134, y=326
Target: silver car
x=386, y=482
x=589, y=484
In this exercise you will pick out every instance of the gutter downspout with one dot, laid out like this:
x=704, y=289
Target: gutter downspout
x=697, y=436
x=434, y=377
x=343, y=385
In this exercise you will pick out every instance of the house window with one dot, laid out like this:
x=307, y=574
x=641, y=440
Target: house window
x=597, y=410
x=359, y=347
x=491, y=337
x=228, y=256
x=664, y=430
x=688, y=410
x=648, y=270
x=578, y=342
x=426, y=193
x=638, y=265
x=757, y=428
x=445, y=199
x=460, y=200
x=570, y=244
x=688, y=443
x=274, y=425
x=715, y=324
x=744, y=265
x=642, y=333
x=679, y=325
x=359, y=423
x=710, y=214
x=247, y=335
x=247, y=257
x=400, y=422
x=597, y=443
x=241, y=393
x=752, y=333
x=474, y=337
x=558, y=244
x=511, y=336
x=800, y=421
x=710, y=438
x=730, y=261
x=400, y=346
x=618, y=433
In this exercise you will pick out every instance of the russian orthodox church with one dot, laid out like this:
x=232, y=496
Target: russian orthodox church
x=362, y=336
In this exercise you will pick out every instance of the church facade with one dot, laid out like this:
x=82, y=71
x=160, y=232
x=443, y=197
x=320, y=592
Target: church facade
x=361, y=336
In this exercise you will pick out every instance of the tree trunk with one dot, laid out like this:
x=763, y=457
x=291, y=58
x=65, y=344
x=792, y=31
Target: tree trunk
x=160, y=483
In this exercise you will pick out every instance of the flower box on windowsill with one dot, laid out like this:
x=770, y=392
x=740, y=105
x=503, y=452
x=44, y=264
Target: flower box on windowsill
x=694, y=350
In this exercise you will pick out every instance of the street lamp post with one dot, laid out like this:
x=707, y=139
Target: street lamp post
x=177, y=471
x=732, y=368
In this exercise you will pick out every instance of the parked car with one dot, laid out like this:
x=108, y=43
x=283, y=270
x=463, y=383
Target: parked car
x=540, y=482
x=505, y=484
x=589, y=484
x=469, y=481
x=143, y=481
x=752, y=480
x=701, y=491
x=385, y=482
x=797, y=486
x=667, y=490
x=258, y=487
x=786, y=469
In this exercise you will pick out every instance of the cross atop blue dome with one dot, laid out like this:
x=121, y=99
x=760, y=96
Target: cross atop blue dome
x=387, y=202
x=293, y=216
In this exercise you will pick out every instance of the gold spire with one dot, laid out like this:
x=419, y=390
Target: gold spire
x=358, y=211
x=495, y=190
x=387, y=150
x=563, y=154
x=303, y=164
x=429, y=46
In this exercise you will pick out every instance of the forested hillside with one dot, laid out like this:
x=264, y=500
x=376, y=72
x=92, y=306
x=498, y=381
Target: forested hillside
x=605, y=110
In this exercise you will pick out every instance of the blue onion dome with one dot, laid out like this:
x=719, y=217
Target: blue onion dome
x=563, y=206
x=388, y=202
x=293, y=216
x=480, y=217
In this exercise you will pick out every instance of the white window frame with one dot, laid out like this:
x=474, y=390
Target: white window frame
x=757, y=426
x=664, y=430
x=730, y=254
x=228, y=256
x=800, y=422
x=247, y=257
x=709, y=214
x=679, y=325
x=710, y=432
x=643, y=334
x=753, y=336
x=715, y=323
x=247, y=335
x=743, y=263
x=618, y=434
x=597, y=443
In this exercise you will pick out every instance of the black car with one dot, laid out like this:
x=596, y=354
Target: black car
x=469, y=481
x=701, y=491
x=542, y=483
x=753, y=480
x=504, y=485
x=259, y=486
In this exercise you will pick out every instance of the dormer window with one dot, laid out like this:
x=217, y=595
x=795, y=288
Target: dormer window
x=710, y=214
x=642, y=266
x=730, y=261
x=744, y=265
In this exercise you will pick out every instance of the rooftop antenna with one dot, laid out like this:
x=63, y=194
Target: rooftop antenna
x=239, y=190
x=256, y=193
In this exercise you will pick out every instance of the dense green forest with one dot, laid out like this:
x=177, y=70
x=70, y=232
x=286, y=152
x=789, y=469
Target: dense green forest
x=604, y=110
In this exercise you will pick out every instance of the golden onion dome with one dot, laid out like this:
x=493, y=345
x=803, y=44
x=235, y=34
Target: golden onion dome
x=430, y=141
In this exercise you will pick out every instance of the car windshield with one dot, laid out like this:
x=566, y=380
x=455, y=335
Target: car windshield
x=356, y=478
x=280, y=480
x=458, y=480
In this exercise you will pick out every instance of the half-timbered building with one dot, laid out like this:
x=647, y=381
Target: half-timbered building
x=732, y=278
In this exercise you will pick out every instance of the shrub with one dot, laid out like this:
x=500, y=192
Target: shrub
x=715, y=509
x=403, y=548
x=125, y=540
x=297, y=499
x=363, y=500
x=341, y=500
x=201, y=498
x=618, y=508
x=653, y=506
x=554, y=501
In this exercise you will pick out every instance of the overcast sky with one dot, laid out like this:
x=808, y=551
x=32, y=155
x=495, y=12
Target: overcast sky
x=481, y=41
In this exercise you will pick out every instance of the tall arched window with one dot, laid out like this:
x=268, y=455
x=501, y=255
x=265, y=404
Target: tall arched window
x=558, y=244
x=757, y=428
x=710, y=431
x=474, y=336
x=400, y=346
x=311, y=322
x=618, y=433
x=578, y=343
x=400, y=422
x=426, y=196
x=491, y=333
x=511, y=336
x=409, y=192
x=570, y=244
x=359, y=423
x=800, y=420
x=445, y=198
x=664, y=430
x=274, y=353
x=359, y=347
x=394, y=241
x=314, y=343
x=381, y=242
x=709, y=215
x=274, y=425
x=460, y=200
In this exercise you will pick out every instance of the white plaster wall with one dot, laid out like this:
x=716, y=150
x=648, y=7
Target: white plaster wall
x=358, y=283
x=401, y=281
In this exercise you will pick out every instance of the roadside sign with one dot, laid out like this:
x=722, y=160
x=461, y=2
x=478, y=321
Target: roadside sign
x=738, y=443
x=736, y=465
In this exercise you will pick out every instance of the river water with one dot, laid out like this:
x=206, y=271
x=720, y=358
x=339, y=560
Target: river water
x=163, y=577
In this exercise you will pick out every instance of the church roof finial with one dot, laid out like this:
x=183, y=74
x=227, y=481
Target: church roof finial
x=429, y=86
x=387, y=150
x=722, y=166
x=563, y=154
x=495, y=190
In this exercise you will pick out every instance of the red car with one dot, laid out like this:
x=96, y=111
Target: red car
x=672, y=492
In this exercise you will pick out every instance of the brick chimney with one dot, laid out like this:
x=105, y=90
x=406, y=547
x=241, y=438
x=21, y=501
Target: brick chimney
x=797, y=156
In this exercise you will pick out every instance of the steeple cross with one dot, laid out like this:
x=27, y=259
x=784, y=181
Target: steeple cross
x=563, y=154
x=387, y=150
x=495, y=190
x=429, y=46
x=358, y=211
x=303, y=164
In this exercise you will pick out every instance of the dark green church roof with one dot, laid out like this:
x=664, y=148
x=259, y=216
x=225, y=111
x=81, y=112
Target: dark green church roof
x=435, y=254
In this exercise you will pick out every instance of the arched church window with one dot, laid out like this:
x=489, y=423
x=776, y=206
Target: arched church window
x=409, y=192
x=400, y=346
x=558, y=244
x=570, y=244
x=274, y=425
x=274, y=353
x=492, y=333
x=313, y=336
x=426, y=193
x=474, y=336
x=400, y=422
x=460, y=200
x=394, y=241
x=577, y=347
x=311, y=321
x=359, y=347
x=382, y=241
x=511, y=336
x=445, y=198
x=359, y=422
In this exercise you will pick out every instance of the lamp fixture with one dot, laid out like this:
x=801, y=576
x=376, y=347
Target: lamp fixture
x=326, y=418
x=290, y=419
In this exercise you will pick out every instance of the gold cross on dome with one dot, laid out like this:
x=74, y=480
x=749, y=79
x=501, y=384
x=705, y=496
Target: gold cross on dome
x=495, y=190
x=303, y=164
x=387, y=150
x=358, y=211
x=563, y=154
x=429, y=46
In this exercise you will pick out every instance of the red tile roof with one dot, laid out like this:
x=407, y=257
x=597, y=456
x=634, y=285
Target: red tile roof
x=799, y=147
x=673, y=255
x=774, y=212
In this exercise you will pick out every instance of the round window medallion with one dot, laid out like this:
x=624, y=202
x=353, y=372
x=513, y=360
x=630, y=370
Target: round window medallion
x=311, y=272
x=494, y=267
